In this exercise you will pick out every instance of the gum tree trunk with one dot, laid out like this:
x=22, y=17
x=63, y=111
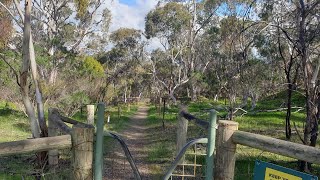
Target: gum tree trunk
x=26, y=55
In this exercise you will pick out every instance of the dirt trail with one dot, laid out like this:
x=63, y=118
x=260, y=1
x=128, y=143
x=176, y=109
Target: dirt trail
x=136, y=137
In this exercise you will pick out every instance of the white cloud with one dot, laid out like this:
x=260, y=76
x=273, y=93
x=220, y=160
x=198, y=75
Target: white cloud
x=131, y=16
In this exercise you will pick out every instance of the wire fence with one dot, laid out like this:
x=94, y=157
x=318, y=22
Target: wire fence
x=193, y=165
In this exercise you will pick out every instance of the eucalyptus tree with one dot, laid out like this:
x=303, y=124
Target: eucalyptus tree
x=235, y=60
x=29, y=66
x=236, y=66
x=204, y=16
x=122, y=61
x=207, y=57
x=307, y=14
x=169, y=23
x=6, y=25
x=28, y=62
x=8, y=75
x=61, y=30
x=199, y=14
x=49, y=20
x=296, y=25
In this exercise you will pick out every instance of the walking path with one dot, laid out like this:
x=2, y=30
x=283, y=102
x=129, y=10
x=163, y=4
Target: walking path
x=136, y=137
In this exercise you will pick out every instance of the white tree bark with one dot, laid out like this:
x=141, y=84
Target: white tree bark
x=27, y=54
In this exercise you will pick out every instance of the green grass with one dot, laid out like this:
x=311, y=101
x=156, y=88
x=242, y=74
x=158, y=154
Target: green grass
x=258, y=121
x=119, y=121
x=159, y=153
x=279, y=100
x=14, y=125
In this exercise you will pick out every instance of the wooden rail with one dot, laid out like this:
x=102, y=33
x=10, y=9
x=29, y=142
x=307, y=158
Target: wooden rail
x=82, y=144
x=80, y=141
x=228, y=137
x=55, y=122
x=277, y=146
x=35, y=145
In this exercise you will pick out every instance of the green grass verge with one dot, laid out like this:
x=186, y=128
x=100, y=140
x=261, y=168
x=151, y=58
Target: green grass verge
x=13, y=124
x=119, y=120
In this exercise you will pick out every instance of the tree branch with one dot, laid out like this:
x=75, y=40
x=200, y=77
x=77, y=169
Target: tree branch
x=14, y=71
x=295, y=127
x=19, y=10
x=14, y=18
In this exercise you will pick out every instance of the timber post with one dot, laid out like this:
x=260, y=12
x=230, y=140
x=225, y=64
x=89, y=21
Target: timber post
x=182, y=130
x=82, y=145
x=53, y=130
x=211, y=144
x=225, y=151
x=90, y=114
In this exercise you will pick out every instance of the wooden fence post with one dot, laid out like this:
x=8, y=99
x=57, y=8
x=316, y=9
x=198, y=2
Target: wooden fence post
x=225, y=151
x=90, y=114
x=82, y=145
x=181, y=132
x=53, y=130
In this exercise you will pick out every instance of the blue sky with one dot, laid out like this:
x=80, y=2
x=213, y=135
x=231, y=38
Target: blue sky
x=128, y=2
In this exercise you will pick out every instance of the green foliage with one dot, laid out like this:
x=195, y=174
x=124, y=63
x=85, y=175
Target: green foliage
x=82, y=6
x=168, y=20
x=11, y=105
x=92, y=67
x=6, y=31
x=42, y=57
x=112, y=57
x=267, y=9
x=67, y=33
x=5, y=25
x=125, y=38
x=8, y=84
x=71, y=103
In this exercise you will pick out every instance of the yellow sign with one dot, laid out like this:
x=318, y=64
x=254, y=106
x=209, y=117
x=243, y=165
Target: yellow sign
x=272, y=174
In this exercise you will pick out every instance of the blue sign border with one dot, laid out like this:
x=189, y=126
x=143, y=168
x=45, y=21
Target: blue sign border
x=260, y=171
